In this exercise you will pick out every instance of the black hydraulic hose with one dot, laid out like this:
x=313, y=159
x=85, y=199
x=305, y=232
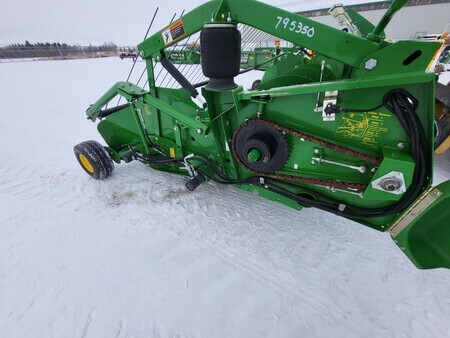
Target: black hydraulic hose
x=419, y=152
x=401, y=104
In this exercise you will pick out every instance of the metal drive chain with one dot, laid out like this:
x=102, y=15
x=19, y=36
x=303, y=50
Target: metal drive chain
x=313, y=139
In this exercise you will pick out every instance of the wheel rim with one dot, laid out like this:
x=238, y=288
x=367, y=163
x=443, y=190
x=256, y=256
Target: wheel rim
x=86, y=164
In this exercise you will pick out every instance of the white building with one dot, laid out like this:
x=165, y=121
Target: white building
x=418, y=16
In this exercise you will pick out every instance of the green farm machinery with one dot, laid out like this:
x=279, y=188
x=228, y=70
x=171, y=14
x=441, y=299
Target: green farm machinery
x=348, y=130
x=188, y=55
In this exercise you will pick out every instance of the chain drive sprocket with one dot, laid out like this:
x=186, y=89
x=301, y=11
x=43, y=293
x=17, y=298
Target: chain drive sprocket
x=351, y=186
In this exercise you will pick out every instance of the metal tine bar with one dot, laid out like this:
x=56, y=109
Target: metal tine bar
x=244, y=30
x=256, y=38
x=197, y=75
x=260, y=37
x=197, y=70
x=189, y=55
x=253, y=32
x=249, y=35
x=140, y=77
x=194, y=72
x=146, y=34
x=189, y=71
x=145, y=37
x=191, y=50
x=157, y=76
x=171, y=52
x=250, y=30
x=179, y=65
x=155, y=68
x=253, y=36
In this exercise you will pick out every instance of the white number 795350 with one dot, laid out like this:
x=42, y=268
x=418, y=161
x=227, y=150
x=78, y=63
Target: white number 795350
x=294, y=26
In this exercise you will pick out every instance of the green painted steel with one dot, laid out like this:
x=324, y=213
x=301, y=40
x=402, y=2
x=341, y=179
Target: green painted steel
x=426, y=240
x=254, y=155
x=188, y=56
x=377, y=34
x=368, y=83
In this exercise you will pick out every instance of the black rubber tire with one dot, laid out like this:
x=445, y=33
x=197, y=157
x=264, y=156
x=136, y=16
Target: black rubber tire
x=94, y=159
x=255, y=84
x=441, y=130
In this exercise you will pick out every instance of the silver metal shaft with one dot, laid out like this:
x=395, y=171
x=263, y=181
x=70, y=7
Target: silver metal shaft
x=361, y=169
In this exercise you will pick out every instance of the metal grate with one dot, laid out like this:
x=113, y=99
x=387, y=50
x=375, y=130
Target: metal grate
x=251, y=38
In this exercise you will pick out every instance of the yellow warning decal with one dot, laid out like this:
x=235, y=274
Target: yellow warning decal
x=367, y=127
x=174, y=32
x=172, y=152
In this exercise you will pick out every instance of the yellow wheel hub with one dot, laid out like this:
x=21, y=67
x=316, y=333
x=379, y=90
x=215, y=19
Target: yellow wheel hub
x=86, y=164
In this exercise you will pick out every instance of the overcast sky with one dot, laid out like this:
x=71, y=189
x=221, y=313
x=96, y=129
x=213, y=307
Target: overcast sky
x=87, y=22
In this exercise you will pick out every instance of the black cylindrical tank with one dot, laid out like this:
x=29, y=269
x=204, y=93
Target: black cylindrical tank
x=221, y=54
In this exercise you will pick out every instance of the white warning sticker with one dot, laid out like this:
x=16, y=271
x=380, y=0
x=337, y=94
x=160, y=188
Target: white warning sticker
x=174, y=32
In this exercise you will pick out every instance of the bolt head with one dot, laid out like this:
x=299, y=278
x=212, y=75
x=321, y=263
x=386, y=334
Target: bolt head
x=371, y=64
x=390, y=184
x=401, y=146
x=313, y=162
x=199, y=131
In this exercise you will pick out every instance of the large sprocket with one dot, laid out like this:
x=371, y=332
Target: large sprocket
x=264, y=140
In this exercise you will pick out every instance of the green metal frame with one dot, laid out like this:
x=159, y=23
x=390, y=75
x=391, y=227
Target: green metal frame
x=362, y=70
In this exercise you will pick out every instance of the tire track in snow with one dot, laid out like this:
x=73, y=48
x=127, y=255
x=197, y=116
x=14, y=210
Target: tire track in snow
x=18, y=180
x=289, y=291
x=243, y=263
x=88, y=323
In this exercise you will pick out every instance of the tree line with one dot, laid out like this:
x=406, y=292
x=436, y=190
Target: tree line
x=58, y=49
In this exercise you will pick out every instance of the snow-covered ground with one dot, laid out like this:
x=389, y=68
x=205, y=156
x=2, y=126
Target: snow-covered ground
x=137, y=255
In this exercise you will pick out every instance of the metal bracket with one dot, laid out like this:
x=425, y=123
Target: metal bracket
x=330, y=98
x=318, y=158
x=177, y=133
x=432, y=195
x=262, y=102
x=393, y=183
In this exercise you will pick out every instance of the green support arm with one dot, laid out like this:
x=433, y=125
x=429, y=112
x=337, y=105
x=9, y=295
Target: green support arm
x=292, y=27
x=125, y=89
x=132, y=92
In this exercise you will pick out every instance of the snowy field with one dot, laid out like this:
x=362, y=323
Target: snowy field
x=137, y=255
